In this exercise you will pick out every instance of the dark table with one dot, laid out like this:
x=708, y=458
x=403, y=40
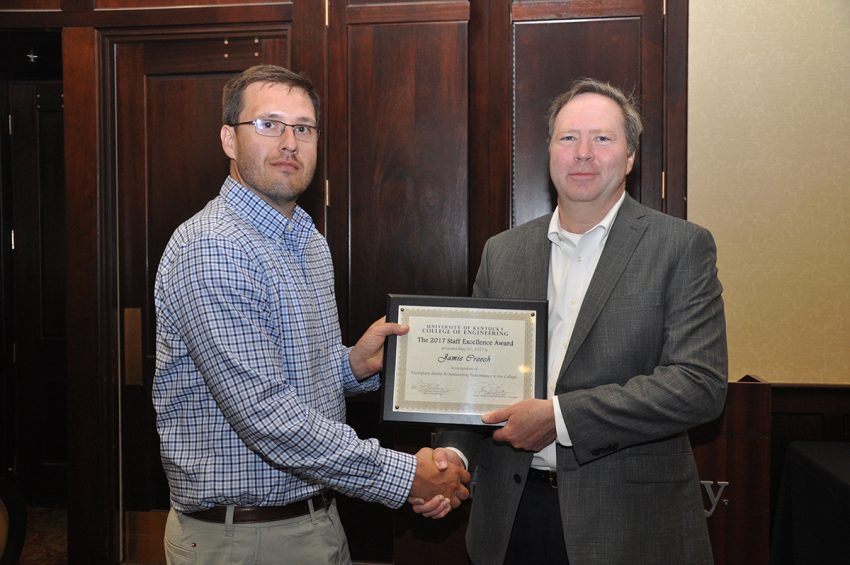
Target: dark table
x=812, y=520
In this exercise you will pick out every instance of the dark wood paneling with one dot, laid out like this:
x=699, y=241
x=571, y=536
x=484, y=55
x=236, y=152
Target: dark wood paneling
x=408, y=132
x=38, y=203
x=336, y=140
x=78, y=5
x=676, y=108
x=621, y=44
x=610, y=51
x=155, y=194
x=416, y=11
x=525, y=10
x=308, y=56
x=174, y=189
x=92, y=404
x=221, y=53
x=129, y=4
x=168, y=88
x=7, y=383
x=735, y=450
x=143, y=535
x=31, y=4
x=81, y=13
x=489, y=126
x=398, y=220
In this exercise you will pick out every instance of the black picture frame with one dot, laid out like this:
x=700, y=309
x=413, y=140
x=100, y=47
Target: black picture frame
x=477, y=315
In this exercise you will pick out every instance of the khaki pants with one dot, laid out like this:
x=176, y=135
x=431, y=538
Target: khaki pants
x=313, y=539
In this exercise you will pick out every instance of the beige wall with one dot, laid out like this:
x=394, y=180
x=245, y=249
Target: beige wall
x=769, y=175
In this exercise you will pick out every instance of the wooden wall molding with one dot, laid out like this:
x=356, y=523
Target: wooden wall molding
x=184, y=15
x=92, y=395
x=457, y=10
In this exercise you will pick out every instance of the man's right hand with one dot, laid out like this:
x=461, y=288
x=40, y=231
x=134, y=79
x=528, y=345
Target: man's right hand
x=431, y=481
x=438, y=507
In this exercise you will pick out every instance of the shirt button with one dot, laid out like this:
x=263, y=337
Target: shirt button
x=572, y=301
x=579, y=259
x=517, y=479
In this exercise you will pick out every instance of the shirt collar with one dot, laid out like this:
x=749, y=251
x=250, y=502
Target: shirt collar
x=262, y=215
x=558, y=235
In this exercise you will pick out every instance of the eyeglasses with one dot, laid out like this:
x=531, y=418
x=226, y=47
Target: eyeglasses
x=276, y=128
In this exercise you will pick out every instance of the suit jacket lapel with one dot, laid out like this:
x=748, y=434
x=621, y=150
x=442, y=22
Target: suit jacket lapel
x=537, y=261
x=626, y=232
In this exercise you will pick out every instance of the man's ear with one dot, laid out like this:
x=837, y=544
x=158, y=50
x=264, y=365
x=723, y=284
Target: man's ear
x=228, y=141
x=630, y=162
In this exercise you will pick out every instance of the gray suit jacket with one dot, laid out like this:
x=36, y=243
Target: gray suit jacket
x=647, y=361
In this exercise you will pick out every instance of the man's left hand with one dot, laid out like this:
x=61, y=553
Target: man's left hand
x=530, y=424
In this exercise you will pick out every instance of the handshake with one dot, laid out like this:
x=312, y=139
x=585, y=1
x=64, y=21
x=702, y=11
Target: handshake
x=439, y=484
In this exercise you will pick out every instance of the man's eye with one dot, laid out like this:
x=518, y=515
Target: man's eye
x=266, y=124
x=301, y=128
x=568, y=138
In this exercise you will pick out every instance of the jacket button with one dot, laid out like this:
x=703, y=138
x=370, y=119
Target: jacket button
x=517, y=479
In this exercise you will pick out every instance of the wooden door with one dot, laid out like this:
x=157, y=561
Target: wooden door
x=38, y=290
x=437, y=135
x=397, y=147
x=557, y=42
x=7, y=335
x=398, y=215
x=523, y=53
x=166, y=109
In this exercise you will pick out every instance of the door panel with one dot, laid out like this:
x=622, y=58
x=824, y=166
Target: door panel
x=408, y=157
x=168, y=164
x=621, y=45
x=38, y=220
x=398, y=220
x=398, y=216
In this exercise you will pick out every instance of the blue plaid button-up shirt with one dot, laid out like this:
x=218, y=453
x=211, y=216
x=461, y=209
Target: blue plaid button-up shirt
x=251, y=373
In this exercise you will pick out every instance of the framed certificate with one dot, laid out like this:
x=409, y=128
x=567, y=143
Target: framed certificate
x=462, y=357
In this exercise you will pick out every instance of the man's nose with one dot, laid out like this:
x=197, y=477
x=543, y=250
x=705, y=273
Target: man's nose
x=287, y=140
x=583, y=151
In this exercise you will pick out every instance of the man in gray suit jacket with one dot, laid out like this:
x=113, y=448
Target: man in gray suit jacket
x=600, y=472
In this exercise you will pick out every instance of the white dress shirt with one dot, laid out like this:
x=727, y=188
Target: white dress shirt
x=572, y=262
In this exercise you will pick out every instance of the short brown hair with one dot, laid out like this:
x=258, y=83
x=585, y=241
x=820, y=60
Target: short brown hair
x=232, y=100
x=631, y=116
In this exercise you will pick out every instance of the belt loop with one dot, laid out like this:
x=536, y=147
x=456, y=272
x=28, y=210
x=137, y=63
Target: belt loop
x=312, y=509
x=228, y=520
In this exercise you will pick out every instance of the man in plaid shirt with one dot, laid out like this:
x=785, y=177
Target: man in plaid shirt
x=251, y=374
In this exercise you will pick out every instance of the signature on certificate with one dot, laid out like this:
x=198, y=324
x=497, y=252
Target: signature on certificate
x=489, y=389
x=424, y=387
